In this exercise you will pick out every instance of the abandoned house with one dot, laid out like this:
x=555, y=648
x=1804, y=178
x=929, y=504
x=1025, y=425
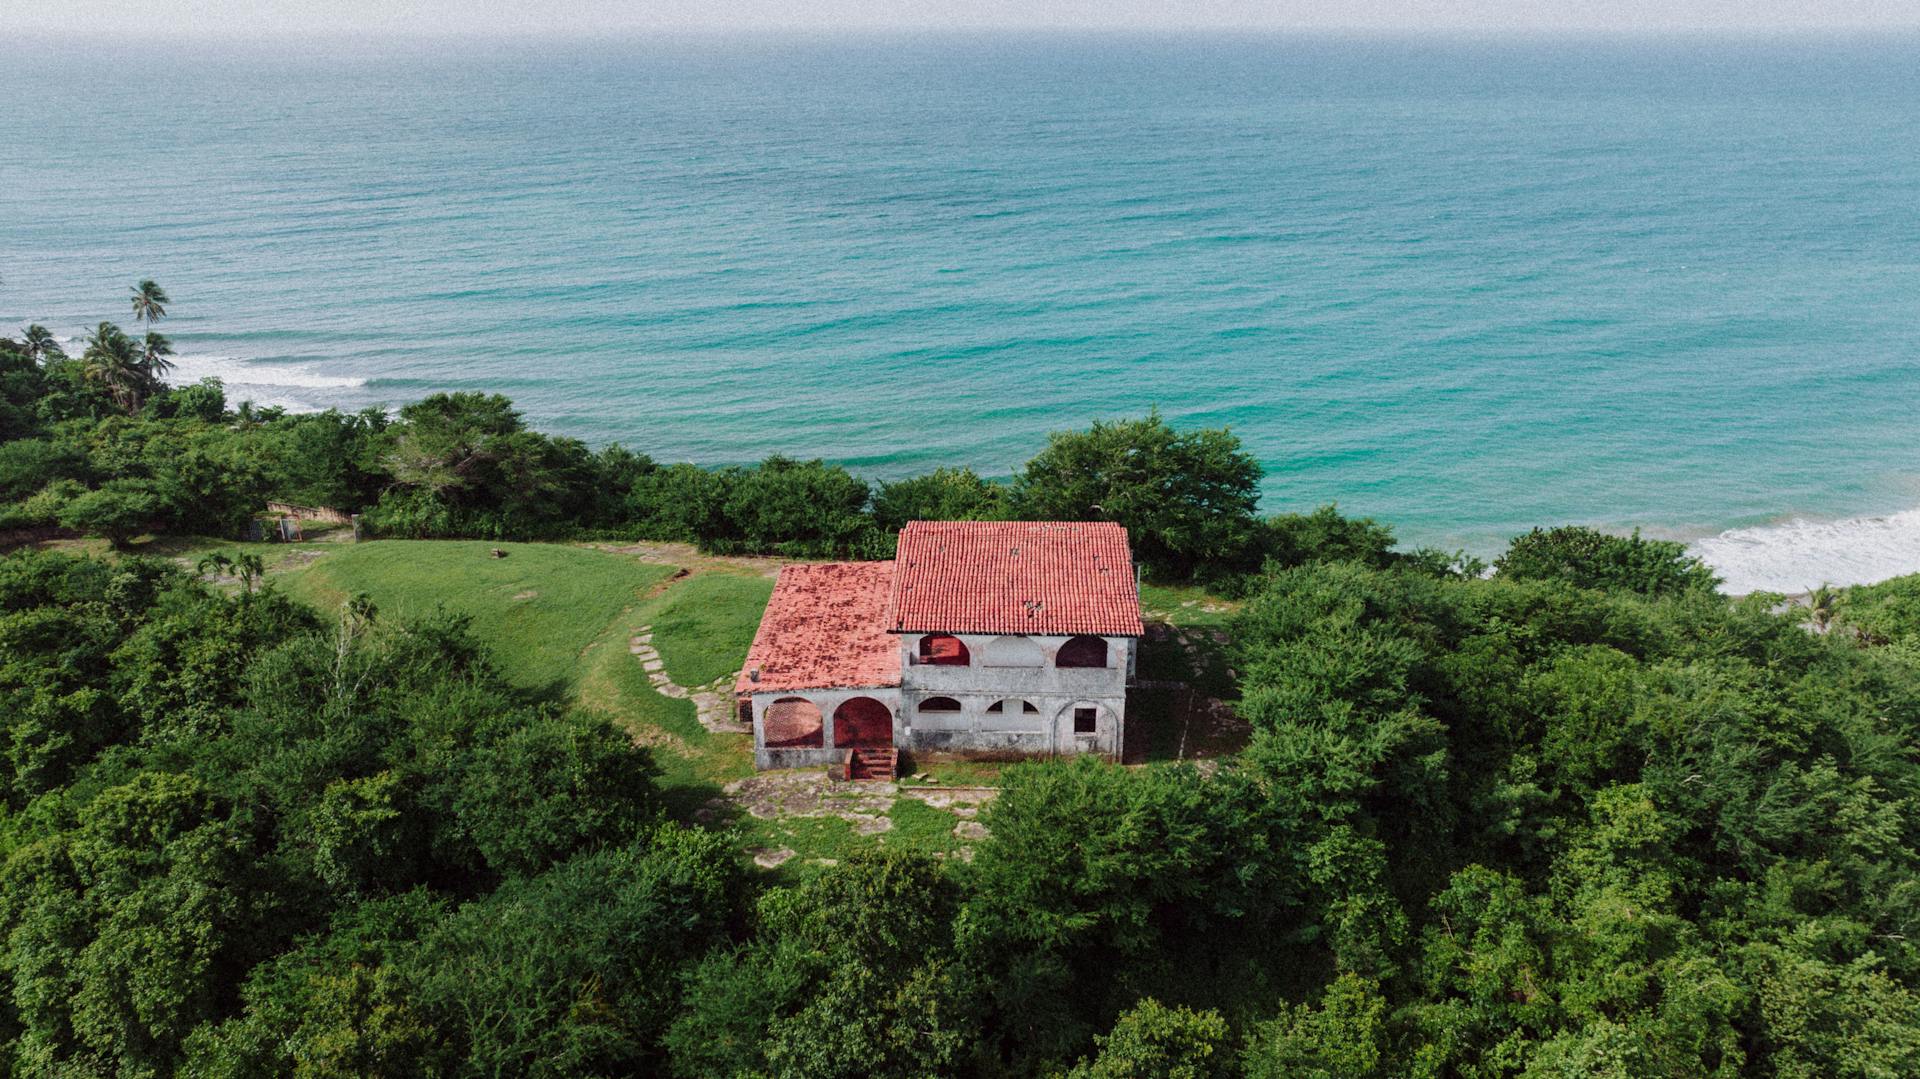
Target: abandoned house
x=980, y=638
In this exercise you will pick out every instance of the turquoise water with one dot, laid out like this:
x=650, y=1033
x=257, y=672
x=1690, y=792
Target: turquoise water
x=1463, y=287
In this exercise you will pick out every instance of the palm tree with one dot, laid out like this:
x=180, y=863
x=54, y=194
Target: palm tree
x=249, y=568
x=1822, y=604
x=114, y=361
x=153, y=355
x=41, y=344
x=149, y=302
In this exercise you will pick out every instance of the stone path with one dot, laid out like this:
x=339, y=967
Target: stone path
x=711, y=703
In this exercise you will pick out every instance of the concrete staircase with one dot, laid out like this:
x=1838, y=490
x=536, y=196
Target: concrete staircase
x=873, y=764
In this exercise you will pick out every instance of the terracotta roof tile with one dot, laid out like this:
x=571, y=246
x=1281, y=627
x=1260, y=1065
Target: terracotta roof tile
x=1014, y=577
x=825, y=626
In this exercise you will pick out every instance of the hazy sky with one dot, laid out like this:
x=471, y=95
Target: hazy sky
x=518, y=17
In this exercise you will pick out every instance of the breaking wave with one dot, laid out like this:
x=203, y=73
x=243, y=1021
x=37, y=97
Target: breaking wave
x=270, y=384
x=238, y=372
x=1797, y=555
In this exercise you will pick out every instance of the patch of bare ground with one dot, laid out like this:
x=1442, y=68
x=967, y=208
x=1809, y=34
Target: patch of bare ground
x=690, y=558
x=866, y=807
x=962, y=802
x=809, y=793
x=771, y=857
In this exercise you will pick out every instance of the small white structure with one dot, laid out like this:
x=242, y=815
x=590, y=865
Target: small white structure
x=998, y=639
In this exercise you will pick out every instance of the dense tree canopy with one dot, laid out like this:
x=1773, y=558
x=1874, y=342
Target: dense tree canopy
x=1188, y=498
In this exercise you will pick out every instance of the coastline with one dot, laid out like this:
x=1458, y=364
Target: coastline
x=1789, y=555
x=1799, y=554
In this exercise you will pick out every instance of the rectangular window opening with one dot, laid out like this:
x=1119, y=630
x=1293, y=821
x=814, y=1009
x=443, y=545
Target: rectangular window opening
x=1085, y=720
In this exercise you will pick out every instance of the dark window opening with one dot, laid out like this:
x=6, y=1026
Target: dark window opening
x=940, y=650
x=1086, y=720
x=999, y=707
x=939, y=704
x=1082, y=652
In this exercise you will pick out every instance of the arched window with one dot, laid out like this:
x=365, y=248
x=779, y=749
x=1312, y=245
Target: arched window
x=862, y=723
x=793, y=723
x=1082, y=652
x=1012, y=652
x=939, y=704
x=941, y=650
x=1013, y=705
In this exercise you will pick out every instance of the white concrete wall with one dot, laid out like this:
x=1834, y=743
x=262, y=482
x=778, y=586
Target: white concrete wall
x=828, y=701
x=999, y=669
x=1019, y=668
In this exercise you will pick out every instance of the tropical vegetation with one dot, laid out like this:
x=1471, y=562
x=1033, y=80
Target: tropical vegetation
x=1575, y=812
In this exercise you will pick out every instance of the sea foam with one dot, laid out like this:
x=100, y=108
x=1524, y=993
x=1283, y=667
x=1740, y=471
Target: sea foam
x=1797, y=555
x=235, y=371
x=240, y=373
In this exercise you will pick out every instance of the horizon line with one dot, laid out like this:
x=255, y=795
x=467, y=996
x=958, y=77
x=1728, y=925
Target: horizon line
x=1779, y=31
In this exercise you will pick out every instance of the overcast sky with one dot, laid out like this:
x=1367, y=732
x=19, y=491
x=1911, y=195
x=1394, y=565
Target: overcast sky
x=520, y=17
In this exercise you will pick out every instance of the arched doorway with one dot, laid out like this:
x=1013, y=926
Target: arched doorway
x=793, y=723
x=862, y=723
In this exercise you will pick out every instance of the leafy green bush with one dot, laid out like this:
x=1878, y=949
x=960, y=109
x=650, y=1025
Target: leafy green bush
x=118, y=510
x=1186, y=498
x=945, y=494
x=1593, y=559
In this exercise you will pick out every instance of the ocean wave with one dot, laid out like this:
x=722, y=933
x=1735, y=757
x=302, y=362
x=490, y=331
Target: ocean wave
x=1796, y=555
x=189, y=367
x=235, y=371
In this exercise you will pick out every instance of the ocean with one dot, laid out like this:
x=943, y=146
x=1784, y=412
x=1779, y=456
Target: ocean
x=1464, y=287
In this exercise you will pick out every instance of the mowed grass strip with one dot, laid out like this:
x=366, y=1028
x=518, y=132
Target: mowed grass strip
x=538, y=609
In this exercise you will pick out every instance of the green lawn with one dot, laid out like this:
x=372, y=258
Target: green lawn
x=559, y=619
x=705, y=623
x=1184, y=605
x=539, y=608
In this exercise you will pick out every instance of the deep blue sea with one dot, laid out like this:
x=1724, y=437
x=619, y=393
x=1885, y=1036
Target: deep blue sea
x=1463, y=287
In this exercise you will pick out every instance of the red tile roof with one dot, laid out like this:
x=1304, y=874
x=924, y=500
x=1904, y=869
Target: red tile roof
x=1014, y=577
x=825, y=626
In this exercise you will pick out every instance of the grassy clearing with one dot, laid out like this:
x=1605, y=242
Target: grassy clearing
x=919, y=826
x=952, y=773
x=559, y=619
x=827, y=840
x=539, y=608
x=695, y=762
x=188, y=550
x=705, y=623
x=1184, y=605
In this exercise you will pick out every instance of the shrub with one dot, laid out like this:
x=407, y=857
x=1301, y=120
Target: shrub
x=118, y=511
x=1594, y=559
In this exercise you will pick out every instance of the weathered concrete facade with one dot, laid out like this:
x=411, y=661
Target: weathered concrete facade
x=1014, y=673
x=1010, y=698
x=1001, y=639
